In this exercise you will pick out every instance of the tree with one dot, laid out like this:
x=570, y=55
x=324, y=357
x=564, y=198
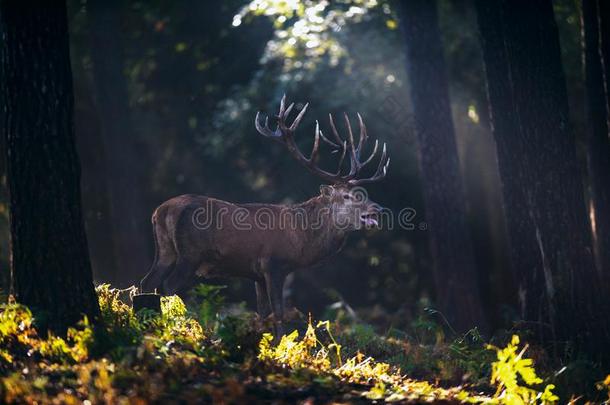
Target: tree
x=604, y=33
x=128, y=213
x=523, y=252
x=559, y=289
x=457, y=292
x=50, y=266
x=598, y=145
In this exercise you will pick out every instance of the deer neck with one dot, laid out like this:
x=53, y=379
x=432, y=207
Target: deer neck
x=322, y=236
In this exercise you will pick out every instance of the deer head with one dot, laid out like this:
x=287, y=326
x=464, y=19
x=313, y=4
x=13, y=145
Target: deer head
x=348, y=202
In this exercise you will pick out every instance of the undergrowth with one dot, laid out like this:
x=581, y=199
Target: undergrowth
x=513, y=375
x=205, y=353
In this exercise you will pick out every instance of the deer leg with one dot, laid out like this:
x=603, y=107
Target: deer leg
x=262, y=299
x=154, y=279
x=187, y=285
x=165, y=259
x=275, y=284
x=180, y=278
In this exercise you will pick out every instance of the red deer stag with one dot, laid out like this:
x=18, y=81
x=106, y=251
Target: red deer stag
x=201, y=236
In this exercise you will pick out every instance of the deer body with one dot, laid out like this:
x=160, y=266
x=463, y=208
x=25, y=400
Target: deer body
x=197, y=235
x=224, y=248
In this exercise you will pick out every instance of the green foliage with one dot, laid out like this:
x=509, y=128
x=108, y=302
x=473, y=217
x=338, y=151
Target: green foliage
x=73, y=349
x=15, y=329
x=425, y=352
x=388, y=383
x=121, y=327
x=469, y=354
x=151, y=357
x=210, y=301
x=384, y=381
x=122, y=330
x=308, y=32
x=176, y=325
x=18, y=337
x=510, y=367
x=128, y=352
x=240, y=334
x=125, y=329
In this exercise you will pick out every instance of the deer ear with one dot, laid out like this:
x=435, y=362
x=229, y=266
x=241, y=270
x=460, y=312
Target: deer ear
x=326, y=190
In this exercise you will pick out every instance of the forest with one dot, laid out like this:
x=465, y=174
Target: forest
x=299, y=201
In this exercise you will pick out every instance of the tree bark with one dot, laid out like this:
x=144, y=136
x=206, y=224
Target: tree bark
x=604, y=33
x=128, y=212
x=457, y=291
x=518, y=204
x=598, y=145
x=50, y=266
x=558, y=287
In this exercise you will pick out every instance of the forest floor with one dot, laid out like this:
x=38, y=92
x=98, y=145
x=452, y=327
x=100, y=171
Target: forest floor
x=206, y=353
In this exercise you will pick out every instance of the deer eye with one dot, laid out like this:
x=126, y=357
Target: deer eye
x=347, y=196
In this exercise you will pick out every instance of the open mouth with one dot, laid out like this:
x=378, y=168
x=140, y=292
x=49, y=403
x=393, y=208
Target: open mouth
x=369, y=219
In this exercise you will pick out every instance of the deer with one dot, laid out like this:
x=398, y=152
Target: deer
x=199, y=236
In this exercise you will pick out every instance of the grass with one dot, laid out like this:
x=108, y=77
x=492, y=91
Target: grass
x=204, y=354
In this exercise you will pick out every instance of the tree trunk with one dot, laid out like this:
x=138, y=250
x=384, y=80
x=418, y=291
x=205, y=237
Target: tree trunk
x=457, y=292
x=604, y=32
x=129, y=214
x=518, y=205
x=598, y=145
x=558, y=286
x=50, y=265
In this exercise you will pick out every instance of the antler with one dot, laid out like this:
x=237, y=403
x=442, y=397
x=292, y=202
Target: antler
x=284, y=133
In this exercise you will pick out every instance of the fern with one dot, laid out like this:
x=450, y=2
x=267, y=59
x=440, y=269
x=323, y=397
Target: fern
x=509, y=369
